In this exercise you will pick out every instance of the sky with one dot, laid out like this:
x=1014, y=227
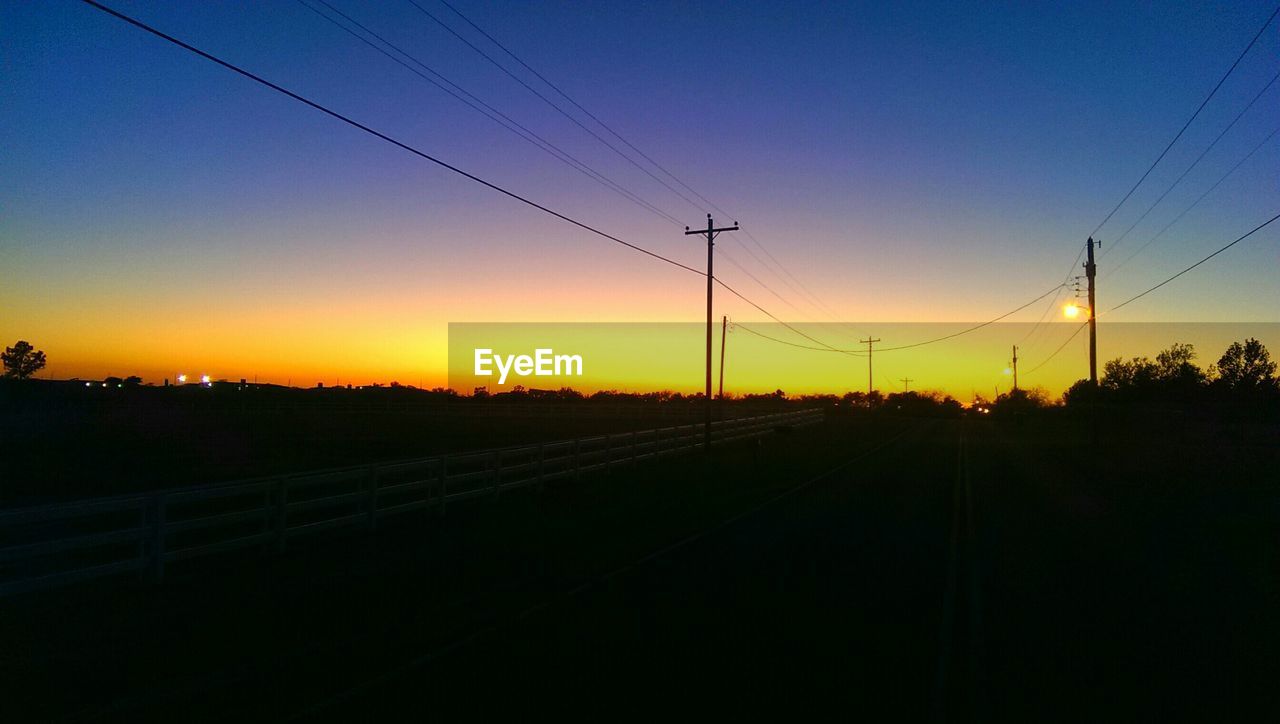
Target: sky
x=936, y=163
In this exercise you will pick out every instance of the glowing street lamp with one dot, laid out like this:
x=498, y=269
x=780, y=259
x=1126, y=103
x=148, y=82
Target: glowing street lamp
x=204, y=379
x=182, y=379
x=1072, y=310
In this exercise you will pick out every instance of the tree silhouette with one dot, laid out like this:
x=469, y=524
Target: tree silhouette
x=1175, y=365
x=1246, y=366
x=1137, y=373
x=1243, y=379
x=1022, y=400
x=22, y=360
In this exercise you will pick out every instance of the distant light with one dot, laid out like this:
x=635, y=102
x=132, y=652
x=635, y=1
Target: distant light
x=182, y=379
x=88, y=384
x=1071, y=311
x=204, y=379
x=1008, y=371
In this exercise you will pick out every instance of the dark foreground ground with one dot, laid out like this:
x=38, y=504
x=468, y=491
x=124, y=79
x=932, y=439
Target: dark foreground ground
x=63, y=441
x=867, y=569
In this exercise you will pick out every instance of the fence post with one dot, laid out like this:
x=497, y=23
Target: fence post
x=577, y=457
x=443, y=474
x=268, y=513
x=144, y=537
x=542, y=449
x=156, y=573
x=282, y=512
x=371, y=498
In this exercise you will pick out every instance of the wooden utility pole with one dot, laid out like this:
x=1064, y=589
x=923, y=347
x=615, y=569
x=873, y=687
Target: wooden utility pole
x=710, y=233
x=1015, y=368
x=906, y=383
x=869, y=341
x=1091, y=271
x=724, y=328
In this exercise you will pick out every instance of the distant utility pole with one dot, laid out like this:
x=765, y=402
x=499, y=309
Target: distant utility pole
x=710, y=233
x=869, y=341
x=1091, y=271
x=724, y=328
x=906, y=384
x=1015, y=368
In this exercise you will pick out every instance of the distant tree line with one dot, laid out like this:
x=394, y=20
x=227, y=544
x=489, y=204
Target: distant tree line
x=1242, y=379
x=1243, y=375
x=22, y=360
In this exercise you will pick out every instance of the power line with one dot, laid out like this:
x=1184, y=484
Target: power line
x=579, y=106
x=488, y=110
x=552, y=103
x=378, y=134
x=1053, y=302
x=783, y=274
x=1193, y=266
x=522, y=131
x=770, y=315
x=1194, y=163
x=1152, y=289
x=743, y=327
x=769, y=289
x=1078, y=328
x=828, y=348
x=1065, y=279
x=765, y=266
x=805, y=294
x=724, y=255
x=1188, y=123
x=1193, y=204
x=975, y=327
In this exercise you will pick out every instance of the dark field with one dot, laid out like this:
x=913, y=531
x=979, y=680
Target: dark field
x=63, y=441
x=891, y=568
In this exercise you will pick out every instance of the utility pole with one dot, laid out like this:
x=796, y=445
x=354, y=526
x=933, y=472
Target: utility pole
x=869, y=341
x=906, y=384
x=724, y=328
x=1091, y=271
x=1015, y=368
x=710, y=233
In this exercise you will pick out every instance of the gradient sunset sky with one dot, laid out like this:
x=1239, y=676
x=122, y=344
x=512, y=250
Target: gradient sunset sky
x=907, y=163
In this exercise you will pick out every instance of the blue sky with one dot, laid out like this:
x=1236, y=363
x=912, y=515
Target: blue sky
x=907, y=162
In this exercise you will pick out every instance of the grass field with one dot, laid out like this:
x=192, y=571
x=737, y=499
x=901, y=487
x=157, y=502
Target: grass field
x=64, y=442
x=892, y=567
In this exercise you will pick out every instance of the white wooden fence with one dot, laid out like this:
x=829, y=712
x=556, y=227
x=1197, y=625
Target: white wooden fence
x=52, y=545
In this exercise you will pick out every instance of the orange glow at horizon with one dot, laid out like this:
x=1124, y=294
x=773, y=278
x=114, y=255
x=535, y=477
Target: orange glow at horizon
x=341, y=319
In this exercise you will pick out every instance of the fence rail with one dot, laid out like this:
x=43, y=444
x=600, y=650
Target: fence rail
x=53, y=545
